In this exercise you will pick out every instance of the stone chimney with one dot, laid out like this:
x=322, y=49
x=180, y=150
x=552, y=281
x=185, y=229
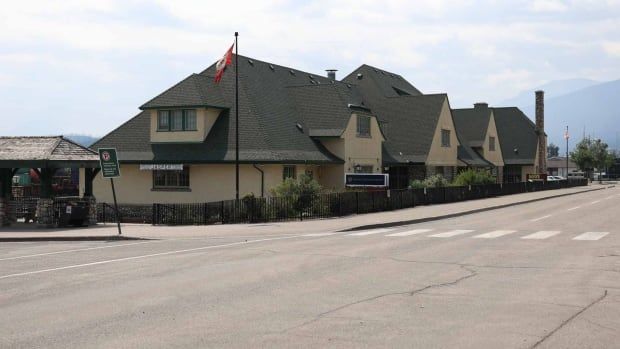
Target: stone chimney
x=331, y=73
x=540, y=130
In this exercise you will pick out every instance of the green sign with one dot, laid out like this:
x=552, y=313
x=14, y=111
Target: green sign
x=109, y=163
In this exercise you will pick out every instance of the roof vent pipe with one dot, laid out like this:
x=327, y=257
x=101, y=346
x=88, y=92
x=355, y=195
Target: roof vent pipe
x=331, y=73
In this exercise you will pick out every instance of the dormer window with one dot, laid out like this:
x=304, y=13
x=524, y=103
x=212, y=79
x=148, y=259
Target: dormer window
x=363, y=126
x=176, y=120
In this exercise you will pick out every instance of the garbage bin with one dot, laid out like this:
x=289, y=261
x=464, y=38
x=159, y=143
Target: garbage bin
x=72, y=213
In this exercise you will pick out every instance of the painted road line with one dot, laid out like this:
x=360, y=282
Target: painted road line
x=451, y=233
x=574, y=208
x=540, y=218
x=371, y=232
x=203, y=248
x=319, y=234
x=543, y=234
x=411, y=232
x=78, y=250
x=591, y=235
x=494, y=234
x=595, y=202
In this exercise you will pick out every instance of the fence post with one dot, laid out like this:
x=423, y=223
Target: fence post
x=153, y=214
x=357, y=202
x=222, y=211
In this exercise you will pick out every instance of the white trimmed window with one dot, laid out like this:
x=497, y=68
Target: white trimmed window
x=171, y=179
x=176, y=120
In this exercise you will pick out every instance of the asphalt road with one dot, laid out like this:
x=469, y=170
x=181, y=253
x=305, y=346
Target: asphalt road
x=540, y=275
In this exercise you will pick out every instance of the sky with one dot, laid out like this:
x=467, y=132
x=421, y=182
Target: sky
x=85, y=67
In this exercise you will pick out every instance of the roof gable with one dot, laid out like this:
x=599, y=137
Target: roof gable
x=472, y=125
x=517, y=135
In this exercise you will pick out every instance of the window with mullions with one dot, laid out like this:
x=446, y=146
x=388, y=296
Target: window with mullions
x=176, y=120
x=363, y=126
x=289, y=172
x=171, y=179
x=491, y=143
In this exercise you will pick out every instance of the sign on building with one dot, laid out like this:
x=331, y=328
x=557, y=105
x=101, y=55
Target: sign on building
x=367, y=179
x=542, y=177
x=109, y=163
x=161, y=167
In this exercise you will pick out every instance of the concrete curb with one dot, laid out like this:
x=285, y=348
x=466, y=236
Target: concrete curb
x=70, y=238
x=464, y=213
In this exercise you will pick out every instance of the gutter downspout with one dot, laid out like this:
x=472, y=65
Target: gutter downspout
x=262, y=180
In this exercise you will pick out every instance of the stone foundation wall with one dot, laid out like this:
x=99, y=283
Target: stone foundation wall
x=4, y=219
x=92, y=210
x=45, y=213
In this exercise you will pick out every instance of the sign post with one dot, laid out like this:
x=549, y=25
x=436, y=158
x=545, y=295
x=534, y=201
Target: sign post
x=110, y=169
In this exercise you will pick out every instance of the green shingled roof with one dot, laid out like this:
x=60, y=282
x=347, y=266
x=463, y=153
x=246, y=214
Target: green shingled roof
x=517, y=136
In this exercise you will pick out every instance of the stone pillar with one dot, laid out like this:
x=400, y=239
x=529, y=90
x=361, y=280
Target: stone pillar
x=540, y=129
x=45, y=213
x=92, y=210
x=4, y=218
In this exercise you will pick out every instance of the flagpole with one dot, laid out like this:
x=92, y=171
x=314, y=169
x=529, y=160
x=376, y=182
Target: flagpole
x=236, y=117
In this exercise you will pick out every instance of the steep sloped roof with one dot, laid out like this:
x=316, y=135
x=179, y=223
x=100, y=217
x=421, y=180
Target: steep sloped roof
x=472, y=124
x=517, y=136
x=268, y=119
x=471, y=157
x=39, y=151
x=194, y=91
x=377, y=82
x=409, y=124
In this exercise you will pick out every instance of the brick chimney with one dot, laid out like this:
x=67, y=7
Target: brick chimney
x=540, y=130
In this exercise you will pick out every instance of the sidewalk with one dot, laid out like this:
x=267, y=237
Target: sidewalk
x=404, y=216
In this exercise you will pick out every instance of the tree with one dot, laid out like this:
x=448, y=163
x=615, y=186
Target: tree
x=592, y=153
x=582, y=155
x=553, y=150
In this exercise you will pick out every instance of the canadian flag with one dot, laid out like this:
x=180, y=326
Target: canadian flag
x=220, y=67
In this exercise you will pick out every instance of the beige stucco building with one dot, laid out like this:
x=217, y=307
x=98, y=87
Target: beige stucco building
x=181, y=147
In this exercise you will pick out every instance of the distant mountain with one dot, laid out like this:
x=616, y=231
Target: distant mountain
x=84, y=140
x=552, y=89
x=595, y=108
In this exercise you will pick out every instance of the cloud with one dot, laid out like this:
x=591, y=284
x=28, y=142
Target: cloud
x=548, y=6
x=612, y=48
x=128, y=51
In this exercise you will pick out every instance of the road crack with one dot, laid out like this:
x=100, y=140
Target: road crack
x=567, y=321
x=410, y=293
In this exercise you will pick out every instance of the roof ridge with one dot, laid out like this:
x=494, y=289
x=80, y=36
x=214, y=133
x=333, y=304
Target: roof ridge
x=76, y=144
x=55, y=146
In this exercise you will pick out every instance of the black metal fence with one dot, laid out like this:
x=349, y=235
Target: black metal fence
x=277, y=209
x=128, y=213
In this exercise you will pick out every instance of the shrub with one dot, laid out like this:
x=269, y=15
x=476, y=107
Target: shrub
x=436, y=181
x=417, y=184
x=298, y=192
x=474, y=177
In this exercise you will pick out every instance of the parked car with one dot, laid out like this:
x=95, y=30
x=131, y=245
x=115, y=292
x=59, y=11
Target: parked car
x=554, y=178
x=576, y=175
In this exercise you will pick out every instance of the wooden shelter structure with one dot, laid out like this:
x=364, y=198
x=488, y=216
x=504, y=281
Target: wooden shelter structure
x=45, y=155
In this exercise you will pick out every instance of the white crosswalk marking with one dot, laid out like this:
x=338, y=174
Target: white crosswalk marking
x=371, y=232
x=591, y=235
x=451, y=233
x=574, y=208
x=540, y=218
x=411, y=232
x=319, y=234
x=494, y=234
x=543, y=234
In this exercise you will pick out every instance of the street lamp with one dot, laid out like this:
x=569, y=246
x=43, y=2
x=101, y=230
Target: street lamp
x=566, y=137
